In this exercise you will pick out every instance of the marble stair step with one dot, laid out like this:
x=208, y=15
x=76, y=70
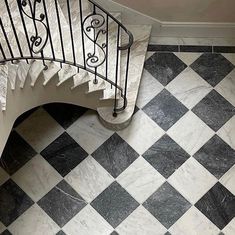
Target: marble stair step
x=65, y=73
x=3, y=85
x=80, y=79
x=52, y=70
x=12, y=74
x=35, y=71
x=22, y=72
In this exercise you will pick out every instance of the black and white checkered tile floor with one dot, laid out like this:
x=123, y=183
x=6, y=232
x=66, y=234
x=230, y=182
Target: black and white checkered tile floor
x=172, y=171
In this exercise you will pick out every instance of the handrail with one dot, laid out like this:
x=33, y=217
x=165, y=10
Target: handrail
x=92, y=25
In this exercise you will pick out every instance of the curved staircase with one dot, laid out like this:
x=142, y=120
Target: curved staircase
x=68, y=51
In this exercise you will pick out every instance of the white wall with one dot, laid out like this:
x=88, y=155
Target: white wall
x=185, y=10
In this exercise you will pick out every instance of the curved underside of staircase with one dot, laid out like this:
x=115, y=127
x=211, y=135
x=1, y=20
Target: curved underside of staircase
x=25, y=84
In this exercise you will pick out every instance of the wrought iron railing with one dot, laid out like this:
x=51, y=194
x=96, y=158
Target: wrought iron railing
x=35, y=30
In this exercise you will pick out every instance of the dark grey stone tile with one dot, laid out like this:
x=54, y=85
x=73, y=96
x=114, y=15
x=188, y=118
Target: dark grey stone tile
x=224, y=49
x=62, y=203
x=216, y=156
x=212, y=67
x=6, y=232
x=13, y=202
x=61, y=233
x=218, y=205
x=166, y=156
x=214, y=110
x=167, y=205
x=167, y=233
x=16, y=153
x=115, y=204
x=164, y=67
x=64, y=154
x=165, y=109
x=114, y=233
x=166, y=48
x=188, y=48
x=115, y=155
x=65, y=114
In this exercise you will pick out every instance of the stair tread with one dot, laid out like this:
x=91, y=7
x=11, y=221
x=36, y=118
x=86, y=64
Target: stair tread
x=12, y=74
x=3, y=85
x=50, y=72
x=35, y=70
x=66, y=73
x=80, y=80
x=22, y=72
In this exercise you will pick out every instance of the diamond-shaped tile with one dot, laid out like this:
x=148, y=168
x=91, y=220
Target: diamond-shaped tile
x=141, y=137
x=16, y=153
x=39, y=129
x=2, y=227
x=226, y=87
x=194, y=222
x=216, y=156
x=192, y=180
x=114, y=204
x=227, y=132
x=141, y=222
x=140, y=179
x=115, y=155
x=65, y=114
x=14, y=202
x=37, y=177
x=60, y=233
x=214, y=110
x=114, y=233
x=189, y=88
x=149, y=88
x=228, y=179
x=167, y=205
x=3, y=176
x=89, y=179
x=62, y=203
x=6, y=232
x=230, y=57
x=212, y=67
x=218, y=204
x=230, y=228
x=164, y=67
x=190, y=133
x=165, y=109
x=34, y=221
x=187, y=57
x=64, y=154
x=89, y=132
x=166, y=156
x=88, y=221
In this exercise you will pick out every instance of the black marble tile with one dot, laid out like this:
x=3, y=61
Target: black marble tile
x=6, y=232
x=165, y=109
x=65, y=114
x=166, y=48
x=188, y=48
x=212, y=67
x=64, y=154
x=167, y=205
x=61, y=233
x=221, y=233
x=166, y=156
x=114, y=233
x=214, y=110
x=218, y=205
x=23, y=117
x=164, y=67
x=13, y=202
x=224, y=49
x=167, y=233
x=115, y=155
x=62, y=203
x=16, y=153
x=115, y=204
x=216, y=156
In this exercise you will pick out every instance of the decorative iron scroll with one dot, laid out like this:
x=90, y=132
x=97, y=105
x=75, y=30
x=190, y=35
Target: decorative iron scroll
x=93, y=27
x=38, y=43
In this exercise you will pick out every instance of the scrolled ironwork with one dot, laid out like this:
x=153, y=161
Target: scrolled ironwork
x=38, y=42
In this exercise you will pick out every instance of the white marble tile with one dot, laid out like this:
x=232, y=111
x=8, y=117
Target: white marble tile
x=149, y=88
x=193, y=222
x=230, y=228
x=149, y=54
x=190, y=132
x=141, y=222
x=34, y=221
x=88, y=222
x=192, y=180
x=39, y=129
x=140, y=179
x=37, y=177
x=227, y=132
x=89, y=179
x=228, y=179
x=230, y=57
x=2, y=227
x=142, y=132
x=189, y=88
x=188, y=58
x=89, y=132
x=227, y=87
x=3, y=176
